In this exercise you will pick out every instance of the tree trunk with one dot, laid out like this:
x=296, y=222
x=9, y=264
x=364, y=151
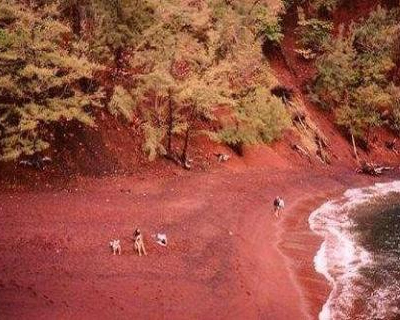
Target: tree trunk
x=354, y=147
x=170, y=125
x=118, y=54
x=186, y=144
x=76, y=19
x=190, y=123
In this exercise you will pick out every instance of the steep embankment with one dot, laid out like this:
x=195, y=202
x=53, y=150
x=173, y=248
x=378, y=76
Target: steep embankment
x=297, y=74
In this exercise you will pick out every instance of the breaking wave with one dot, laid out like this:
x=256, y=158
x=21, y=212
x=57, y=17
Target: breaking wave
x=349, y=266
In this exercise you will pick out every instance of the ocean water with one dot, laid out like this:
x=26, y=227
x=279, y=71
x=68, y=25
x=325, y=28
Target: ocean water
x=360, y=253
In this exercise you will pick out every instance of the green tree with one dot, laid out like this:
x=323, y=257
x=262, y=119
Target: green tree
x=40, y=80
x=194, y=62
x=356, y=120
x=118, y=27
x=353, y=75
x=336, y=72
x=258, y=118
x=313, y=33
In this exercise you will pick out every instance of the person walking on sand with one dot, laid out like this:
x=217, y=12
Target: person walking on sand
x=279, y=205
x=138, y=242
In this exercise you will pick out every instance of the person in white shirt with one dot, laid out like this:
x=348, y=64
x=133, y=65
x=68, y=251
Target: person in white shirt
x=279, y=205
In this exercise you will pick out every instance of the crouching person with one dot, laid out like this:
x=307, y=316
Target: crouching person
x=138, y=243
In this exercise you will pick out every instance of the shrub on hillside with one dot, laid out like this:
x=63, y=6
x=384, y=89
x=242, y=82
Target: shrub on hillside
x=166, y=63
x=121, y=103
x=353, y=73
x=258, y=118
x=313, y=33
x=267, y=25
x=324, y=7
x=336, y=72
x=198, y=59
x=40, y=80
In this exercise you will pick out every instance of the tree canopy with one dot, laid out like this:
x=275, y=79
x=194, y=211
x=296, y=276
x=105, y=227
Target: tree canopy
x=171, y=65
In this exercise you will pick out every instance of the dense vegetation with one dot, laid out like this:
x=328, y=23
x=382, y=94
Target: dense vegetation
x=41, y=79
x=355, y=74
x=175, y=69
x=166, y=66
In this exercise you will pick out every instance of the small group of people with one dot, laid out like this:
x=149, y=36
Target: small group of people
x=279, y=205
x=138, y=244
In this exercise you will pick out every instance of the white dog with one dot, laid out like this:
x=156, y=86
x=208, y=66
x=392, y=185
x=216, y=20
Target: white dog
x=115, y=246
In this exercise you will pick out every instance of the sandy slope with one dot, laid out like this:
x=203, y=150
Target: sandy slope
x=228, y=257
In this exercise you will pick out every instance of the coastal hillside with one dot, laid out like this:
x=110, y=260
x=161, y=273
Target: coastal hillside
x=200, y=159
x=110, y=87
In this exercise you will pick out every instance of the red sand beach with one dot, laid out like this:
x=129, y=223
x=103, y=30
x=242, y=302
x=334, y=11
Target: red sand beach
x=228, y=257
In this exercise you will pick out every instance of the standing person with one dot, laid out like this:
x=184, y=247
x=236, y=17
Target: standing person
x=138, y=242
x=279, y=205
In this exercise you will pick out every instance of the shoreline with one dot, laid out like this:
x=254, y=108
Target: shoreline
x=342, y=257
x=300, y=245
x=227, y=258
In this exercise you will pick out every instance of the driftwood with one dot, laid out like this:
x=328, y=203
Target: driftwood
x=300, y=117
x=301, y=150
x=372, y=169
x=306, y=54
x=39, y=163
x=222, y=157
x=322, y=145
x=187, y=164
x=184, y=163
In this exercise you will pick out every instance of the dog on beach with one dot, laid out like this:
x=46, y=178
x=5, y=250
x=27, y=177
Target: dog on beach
x=115, y=246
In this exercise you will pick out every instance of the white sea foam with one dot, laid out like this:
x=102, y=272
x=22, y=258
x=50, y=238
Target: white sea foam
x=340, y=257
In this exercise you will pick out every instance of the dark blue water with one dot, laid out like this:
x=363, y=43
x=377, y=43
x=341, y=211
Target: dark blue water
x=379, y=233
x=360, y=253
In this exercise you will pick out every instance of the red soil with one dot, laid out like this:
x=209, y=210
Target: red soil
x=227, y=258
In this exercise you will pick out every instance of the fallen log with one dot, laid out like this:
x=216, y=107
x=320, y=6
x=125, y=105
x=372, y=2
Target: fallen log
x=300, y=150
x=372, y=169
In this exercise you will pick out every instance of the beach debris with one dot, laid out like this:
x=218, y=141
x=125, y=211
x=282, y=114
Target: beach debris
x=161, y=239
x=321, y=149
x=301, y=150
x=222, y=157
x=187, y=164
x=306, y=54
x=300, y=117
x=38, y=162
x=371, y=168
